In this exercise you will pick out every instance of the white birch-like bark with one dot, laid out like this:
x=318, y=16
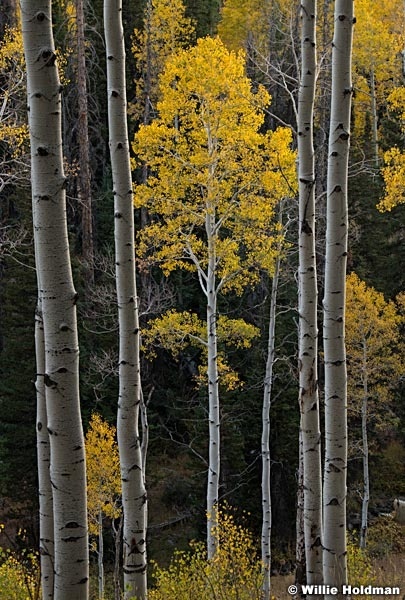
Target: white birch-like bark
x=335, y=470
x=134, y=500
x=58, y=298
x=300, y=562
x=46, y=527
x=366, y=476
x=100, y=556
x=265, y=442
x=213, y=390
x=308, y=301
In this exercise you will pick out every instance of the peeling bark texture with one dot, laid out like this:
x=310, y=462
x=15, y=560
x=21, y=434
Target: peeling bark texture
x=308, y=303
x=58, y=298
x=134, y=499
x=334, y=554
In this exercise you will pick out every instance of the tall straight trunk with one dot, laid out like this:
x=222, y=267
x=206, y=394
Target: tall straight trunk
x=308, y=302
x=213, y=392
x=265, y=442
x=374, y=118
x=58, y=297
x=100, y=556
x=84, y=178
x=134, y=500
x=300, y=562
x=117, y=534
x=335, y=470
x=46, y=526
x=366, y=476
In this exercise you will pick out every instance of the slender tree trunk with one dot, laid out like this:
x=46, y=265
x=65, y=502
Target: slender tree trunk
x=46, y=528
x=266, y=428
x=366, y=477
x=61, y=375
x=334, y=555
x=308, y=302
x=84, y=179
x=374, y=118
x=133, y=488
x=117, y=553
x=300, y=562
x=213, y=393
x=100, y=556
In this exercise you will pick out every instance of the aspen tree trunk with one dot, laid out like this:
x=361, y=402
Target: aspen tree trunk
x=134, y=500
x=366, y=477
x=84, y=179
x=374, y=118
x=117, y=533
x=334, y=554
x=266, y=427
x=100, y=556
x=300, y=562
x=213, y=391
x=308, y=302
x=46, y=527
x=58, y=296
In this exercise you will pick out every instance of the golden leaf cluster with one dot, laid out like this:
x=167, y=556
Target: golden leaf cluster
x=373, y=345
x=214, y=179
x=103, y=472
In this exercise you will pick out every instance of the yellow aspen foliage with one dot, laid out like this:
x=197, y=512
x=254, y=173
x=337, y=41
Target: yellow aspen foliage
x=234, y=573
x=243, y=23
x=103, y=472
x=19, y=576
x=13, y=126
x=379, y=39
x=208, y=160
x=166, y=30
x=393, y=174
x=359, y=564
x=372, y=342
x=377, y=45
x=246, y=24
x=393, y=171
x=396, y=101
x=176, y=331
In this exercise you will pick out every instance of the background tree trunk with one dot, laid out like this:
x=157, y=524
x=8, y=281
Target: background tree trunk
x=300, y=562
x=58, y=296
x=308, y=302
x=334, y=555
x=266, y=428
x=84, y=179
x=100, y=557
x=366, y=475
x=133, y=487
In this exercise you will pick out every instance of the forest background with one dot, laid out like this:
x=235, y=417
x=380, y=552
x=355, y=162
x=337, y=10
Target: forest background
x=176, y=472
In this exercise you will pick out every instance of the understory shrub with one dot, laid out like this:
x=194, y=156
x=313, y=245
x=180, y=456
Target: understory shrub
x=235, y=572
x=19, y=576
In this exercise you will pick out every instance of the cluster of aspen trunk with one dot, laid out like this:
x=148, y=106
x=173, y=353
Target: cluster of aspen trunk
x=62, y=472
